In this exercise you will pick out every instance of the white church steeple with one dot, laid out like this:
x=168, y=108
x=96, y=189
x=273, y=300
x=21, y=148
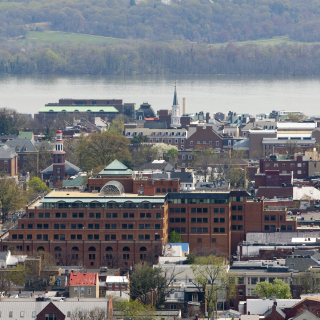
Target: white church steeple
x=175, y=115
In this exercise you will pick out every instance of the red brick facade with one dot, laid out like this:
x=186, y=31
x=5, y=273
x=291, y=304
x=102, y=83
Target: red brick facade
x=120, y=235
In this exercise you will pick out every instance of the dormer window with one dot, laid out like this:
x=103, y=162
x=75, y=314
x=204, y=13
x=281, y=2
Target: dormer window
x=166, y=133
x=172, y=133
x=17, y=148
x=24, y=148
x=128, y=133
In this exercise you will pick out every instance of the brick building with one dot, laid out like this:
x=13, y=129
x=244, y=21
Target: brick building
x=298, y=166
x=103, y=108
x=117, y=171
x=115, y=228
x=60, y=168
x=272, y=178
x=83, y=285
x=8, y=161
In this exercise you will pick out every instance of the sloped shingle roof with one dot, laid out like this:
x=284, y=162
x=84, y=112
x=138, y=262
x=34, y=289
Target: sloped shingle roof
x=70, y=169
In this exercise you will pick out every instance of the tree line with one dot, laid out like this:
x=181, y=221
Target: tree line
x=141, y=57
x=201, y=21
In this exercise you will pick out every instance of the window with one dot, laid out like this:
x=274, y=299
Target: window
x=216, y=210
x=215, y=230
x=222, y=230
x=10, y=314
x=266, y=218
x=217, y=143
x=89, y=291
x=222, y=220
x=34, y=314
x=193, y=230
x=173, y=306
x=191, y=143
x=239, y=217
x=222, y=210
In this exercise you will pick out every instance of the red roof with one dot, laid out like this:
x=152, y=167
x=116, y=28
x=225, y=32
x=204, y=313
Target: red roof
x=83, y=279
x=59, y=131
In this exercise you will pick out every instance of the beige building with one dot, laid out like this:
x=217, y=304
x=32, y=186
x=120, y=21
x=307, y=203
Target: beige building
x=83, y=285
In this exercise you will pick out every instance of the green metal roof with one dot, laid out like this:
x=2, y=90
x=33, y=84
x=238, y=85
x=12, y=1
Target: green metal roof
x=105, y=200
x=25, y=135
x=116, y=168
x=73, y=182
x=79, y=109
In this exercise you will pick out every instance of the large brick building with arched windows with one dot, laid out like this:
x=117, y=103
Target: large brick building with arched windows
x=117, y=228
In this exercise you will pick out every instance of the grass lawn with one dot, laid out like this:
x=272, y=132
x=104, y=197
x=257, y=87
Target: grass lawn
x=266, y=42
x=63, y=37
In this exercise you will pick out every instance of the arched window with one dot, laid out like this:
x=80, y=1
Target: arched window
x=92, y=249
x=126, y=249
x=128, y=205
x=143, y=249
x=57, y=249
x=75, y=249
x=109, y=249
x=40, y=249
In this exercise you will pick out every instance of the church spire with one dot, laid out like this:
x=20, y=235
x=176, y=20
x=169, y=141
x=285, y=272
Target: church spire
x=175, y=113
x=175, y=97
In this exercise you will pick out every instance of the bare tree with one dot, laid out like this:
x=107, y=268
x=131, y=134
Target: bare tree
x=94, y=314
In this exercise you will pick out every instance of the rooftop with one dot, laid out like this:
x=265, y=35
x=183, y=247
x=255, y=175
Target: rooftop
x=83, y=279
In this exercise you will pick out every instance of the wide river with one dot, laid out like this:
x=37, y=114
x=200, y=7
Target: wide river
x=242, y=94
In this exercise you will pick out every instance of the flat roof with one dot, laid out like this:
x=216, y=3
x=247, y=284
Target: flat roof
x=78, y=194
x=80, y=108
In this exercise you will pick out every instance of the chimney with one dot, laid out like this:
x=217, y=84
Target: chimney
x=176, y=165
x=167, y=159
x=183, y=169
x=187, y=127
x=274, y=306
x=184, y=106
x=207, y=117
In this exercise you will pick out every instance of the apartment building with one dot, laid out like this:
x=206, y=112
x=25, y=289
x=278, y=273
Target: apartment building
x=115, y=228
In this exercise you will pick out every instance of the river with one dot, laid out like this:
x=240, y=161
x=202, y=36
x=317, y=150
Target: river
x=241, y=94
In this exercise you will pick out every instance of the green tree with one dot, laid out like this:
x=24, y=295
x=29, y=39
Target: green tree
x=12, y=197
x=37, y=185
x=294, y=117
x=172, y=154
x=117, y=125
x=161, y=149
x=203, y=158
x=238, y=177
x=49, y=134
x=146, y=281
x=175, y=237
x=310, y=281
x=138, y=139
x=143, y=154
x=278, y=288
x=211, y=277
x=101, y=148
x=134, y=309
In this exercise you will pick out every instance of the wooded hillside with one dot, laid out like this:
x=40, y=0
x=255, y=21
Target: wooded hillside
x=201, y=21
